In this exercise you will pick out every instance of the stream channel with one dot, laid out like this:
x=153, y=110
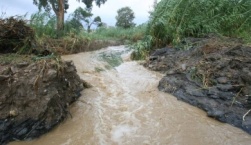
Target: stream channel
x=125, y=107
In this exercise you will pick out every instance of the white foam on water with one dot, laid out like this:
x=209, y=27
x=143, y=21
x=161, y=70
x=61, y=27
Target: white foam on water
x=118, y=132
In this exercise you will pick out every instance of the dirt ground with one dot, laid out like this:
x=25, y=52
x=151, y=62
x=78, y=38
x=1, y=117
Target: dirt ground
x=214, y=74
x=34, y=96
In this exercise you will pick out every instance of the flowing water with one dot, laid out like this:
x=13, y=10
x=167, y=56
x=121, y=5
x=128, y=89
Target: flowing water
x=124, y=107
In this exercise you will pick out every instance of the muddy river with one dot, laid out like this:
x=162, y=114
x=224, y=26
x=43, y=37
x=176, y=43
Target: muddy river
x=124, y=107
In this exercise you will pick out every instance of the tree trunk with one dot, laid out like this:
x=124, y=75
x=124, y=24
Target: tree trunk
x=89, y=28
x=60, y=16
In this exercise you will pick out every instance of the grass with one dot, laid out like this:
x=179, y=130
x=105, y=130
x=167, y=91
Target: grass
x=114, y=33
x=173, y=20
x=75, y=39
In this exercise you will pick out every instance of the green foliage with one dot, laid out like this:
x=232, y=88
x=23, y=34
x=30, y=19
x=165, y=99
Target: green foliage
x=49, y=4
x=173, y=20
x=53, y=4
x=73, y=25
x=85, y=15
x=44, y=24
x=59, y=7
x=115, y=33
x=125, y=18
x=89, y=4
x=142, y=48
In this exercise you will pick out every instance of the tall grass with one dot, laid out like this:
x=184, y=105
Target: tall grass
x=173, y=20
x=132, y=34
x=44, y=24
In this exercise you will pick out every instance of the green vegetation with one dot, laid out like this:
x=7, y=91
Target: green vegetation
x=60, y=7
x=183, y=18
x=85, y=15
x=173, y=20
x=75, y=38
x=125, y=18
x=115, y=33
x=44, y=24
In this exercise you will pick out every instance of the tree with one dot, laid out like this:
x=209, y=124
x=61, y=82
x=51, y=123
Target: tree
x=85, y=15
x=60, y=6
x=125, y=17
x=155, y=2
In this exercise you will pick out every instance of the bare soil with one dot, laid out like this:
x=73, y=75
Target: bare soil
x=34, y=96
x=214, y=74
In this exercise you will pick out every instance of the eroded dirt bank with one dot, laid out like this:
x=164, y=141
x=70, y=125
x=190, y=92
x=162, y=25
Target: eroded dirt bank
x=214, y=75
x=34, y=97
x=124, y=106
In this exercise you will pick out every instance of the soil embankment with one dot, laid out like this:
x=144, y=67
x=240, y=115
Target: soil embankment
x=34, y=97
x=214, y=75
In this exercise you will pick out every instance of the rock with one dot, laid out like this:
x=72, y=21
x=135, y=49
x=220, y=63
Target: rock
x=152, y=58
x=247, y=90
x=86, y=84
x=51, y=74
x=183, y=67
x=23, y=131
x=4, y=77
x=213, y=91
x=215, y=113
x=6, y=71
x=246, y=77
x=225, y=88
x=161, y=51
x=69, y=63
x=22, y=64
x=13, y=113
x=194, y=91
x=70, y=69
x=222, y=80
x=14, y=69
x=226, y=95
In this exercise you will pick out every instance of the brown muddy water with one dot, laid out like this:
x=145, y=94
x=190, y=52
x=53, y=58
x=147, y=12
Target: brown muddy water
x=124, y=107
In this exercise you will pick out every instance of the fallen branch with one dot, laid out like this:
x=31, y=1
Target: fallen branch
x=243, y=118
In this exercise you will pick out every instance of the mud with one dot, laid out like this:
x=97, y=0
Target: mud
x=214, y=74
x=34, y=97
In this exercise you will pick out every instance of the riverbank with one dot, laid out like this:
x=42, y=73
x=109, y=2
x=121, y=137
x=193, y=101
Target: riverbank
x=35, y=95
x=213, y=74
x=124, y=106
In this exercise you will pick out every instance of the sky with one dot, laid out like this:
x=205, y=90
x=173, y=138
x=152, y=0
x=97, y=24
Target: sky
x=107, y=12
